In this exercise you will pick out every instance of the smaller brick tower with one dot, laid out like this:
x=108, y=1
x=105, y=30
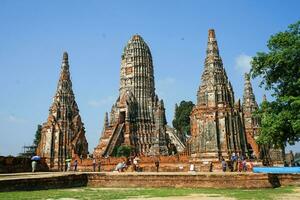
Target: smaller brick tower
x=216, y=120
x=251, y=122
x=63, y=135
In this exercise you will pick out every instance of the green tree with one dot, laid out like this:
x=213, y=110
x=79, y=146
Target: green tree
x=279, y=69
x=37, y=136
x=120, y=151
x=181, y=121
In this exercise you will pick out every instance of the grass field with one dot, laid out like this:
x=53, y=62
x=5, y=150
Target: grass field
x=124, y=193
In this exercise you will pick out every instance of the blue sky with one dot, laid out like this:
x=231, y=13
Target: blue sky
x=34, y=34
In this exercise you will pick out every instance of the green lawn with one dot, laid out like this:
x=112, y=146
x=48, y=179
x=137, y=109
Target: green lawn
x=123, y=193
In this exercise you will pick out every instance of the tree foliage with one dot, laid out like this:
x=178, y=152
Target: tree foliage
x=279, y=69
x=37, y=136
x=181, y=121
x=120, y=151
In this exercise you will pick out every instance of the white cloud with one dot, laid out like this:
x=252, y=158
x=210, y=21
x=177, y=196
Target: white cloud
x=14, y=119
x=166, y=82
x=102, y=102
x=163, y=86
x=242, y=62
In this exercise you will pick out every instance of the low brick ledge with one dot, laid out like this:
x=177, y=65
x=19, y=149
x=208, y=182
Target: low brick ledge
x=39, y=181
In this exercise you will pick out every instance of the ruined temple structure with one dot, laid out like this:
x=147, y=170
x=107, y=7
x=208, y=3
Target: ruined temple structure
x=217, y=128
x=252, y=123
x=63, y=135
x=137, y=119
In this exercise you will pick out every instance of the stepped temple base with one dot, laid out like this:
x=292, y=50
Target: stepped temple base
x=38, y=181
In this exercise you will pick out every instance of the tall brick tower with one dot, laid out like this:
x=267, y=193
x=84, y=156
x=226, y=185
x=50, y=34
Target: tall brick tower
x=216, y=121
x=63, y=135
x=251, y=122
x=137, y=119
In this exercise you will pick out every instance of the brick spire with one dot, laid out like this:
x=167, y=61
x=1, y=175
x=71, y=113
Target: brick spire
x=216, y=126
x=63, y=135
x=251, y=122
x=214, y=78
x=138, y=116
x=249, y=102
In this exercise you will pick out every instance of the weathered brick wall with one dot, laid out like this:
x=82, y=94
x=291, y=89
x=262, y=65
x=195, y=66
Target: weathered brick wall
x=157, y=180
x=17, y=164
x=178, y=163
x=146, y=163
x=186, y=180
x=42, y=183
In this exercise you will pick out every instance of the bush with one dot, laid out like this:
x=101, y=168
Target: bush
x=122, y=151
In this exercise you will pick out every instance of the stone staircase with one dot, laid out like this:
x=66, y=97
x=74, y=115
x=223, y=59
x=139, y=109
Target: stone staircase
x=113, y=140
x=253, y=144
x=104, y=141
x=180, y=146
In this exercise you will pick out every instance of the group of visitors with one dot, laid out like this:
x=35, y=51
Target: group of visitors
x=134, y=161
x=237, y=163
x=68, y=165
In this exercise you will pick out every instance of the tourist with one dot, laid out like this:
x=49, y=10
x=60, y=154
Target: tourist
x=234, y=161
x=68, y=165
x=224, y=165
x=120, y=166
x=136, y=164
x=210, y=167
x=192, y=167
x=33, y=165
x=75, y=165
x=240, y=165
x=250, y=165
x=94, y=164
x=244, y=165
x=81, y=158
x=157, y=164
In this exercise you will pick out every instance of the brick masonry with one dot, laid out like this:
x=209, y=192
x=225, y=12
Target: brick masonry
x=17, y=164
x=140, y=179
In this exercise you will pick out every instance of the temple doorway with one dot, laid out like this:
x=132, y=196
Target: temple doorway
x=122, y=117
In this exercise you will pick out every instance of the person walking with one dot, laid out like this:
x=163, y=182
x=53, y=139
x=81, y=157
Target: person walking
x=210, y=167
x=240, y=165
x=157, y=164
x=244, y=163
x=75, y=165
x=234, y=161
x=136, y=164
x=33, y=165
x=224, y=165
x=81, y=158
x=94, y=164
x=68, y=165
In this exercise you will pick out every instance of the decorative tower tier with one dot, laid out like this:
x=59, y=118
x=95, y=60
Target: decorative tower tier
x=63, y=135
x=137, y=119
x=251, y=122
x=216, y=121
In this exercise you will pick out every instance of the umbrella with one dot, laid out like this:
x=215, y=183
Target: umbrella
x=68, y=160
x=36, y=158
